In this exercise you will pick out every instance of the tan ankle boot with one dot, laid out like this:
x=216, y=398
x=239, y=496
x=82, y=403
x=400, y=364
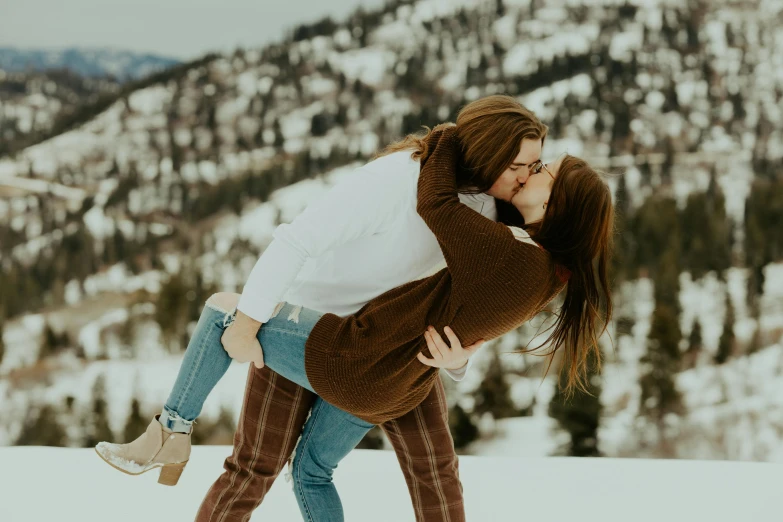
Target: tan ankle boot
x=155, y=448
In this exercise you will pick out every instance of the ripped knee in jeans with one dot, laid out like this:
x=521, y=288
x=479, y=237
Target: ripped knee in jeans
x=225, y=302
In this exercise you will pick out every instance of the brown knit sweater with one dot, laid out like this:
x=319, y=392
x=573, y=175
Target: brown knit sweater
x=366, y=363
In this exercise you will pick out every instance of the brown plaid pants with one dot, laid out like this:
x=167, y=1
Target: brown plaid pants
x=273, y=415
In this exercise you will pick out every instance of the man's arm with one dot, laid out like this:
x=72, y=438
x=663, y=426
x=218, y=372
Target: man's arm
x=365, y=203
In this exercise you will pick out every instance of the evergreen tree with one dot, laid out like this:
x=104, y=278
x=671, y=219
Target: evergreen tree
x=671, y=102
x=119, y=248
x=763, y=215
x=694, y=339
x=694, y=345
x=695, y=239
x=463, y=429
x=755, y=341
x=660, y=396
x=258, y=137
x=623, y=252
x=98, y=429
x=279, y=138
x=706, y=231
x=2, y=343
x=171, y=310
x=622, y=123
x=211, y=118
x=42, y=429
x=341, y=117
x=320, y=124
x=127, y=335
x=579, y=414
x=52, y=342
x=136, y=423
x=667, y=281
x=655, y=229
x=493, y=394
x=624, y=325
x=756, y=239
x=726, y=342
x=755, y=289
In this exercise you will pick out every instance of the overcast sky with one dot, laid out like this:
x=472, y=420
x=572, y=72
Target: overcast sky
x=178, y=28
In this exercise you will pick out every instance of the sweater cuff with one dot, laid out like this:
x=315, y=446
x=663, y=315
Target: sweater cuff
x=460, y=373
x=256, y=307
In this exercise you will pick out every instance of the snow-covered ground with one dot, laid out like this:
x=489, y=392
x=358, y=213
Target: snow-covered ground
x=74, y=484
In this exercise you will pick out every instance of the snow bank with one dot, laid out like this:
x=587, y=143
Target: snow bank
x=76, y=485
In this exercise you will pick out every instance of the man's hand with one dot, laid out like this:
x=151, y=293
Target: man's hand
x=240, y=341
x=443, y=356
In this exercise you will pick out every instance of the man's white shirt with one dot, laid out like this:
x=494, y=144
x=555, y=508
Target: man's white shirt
x=363, y=238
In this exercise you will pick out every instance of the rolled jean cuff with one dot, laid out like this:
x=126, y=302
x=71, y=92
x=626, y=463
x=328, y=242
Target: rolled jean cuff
x=171, y=420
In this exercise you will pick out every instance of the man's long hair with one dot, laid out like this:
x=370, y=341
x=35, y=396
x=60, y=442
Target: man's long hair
x=491, y=131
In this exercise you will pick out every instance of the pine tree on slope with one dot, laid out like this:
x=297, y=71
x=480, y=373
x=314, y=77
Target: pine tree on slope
x=493, y=394
x=136, y=423
x=580, y=414
x=660, y=397
x=97, y=425
x=726, y=342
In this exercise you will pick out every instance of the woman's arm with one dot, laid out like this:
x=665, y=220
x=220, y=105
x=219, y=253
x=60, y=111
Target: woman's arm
x=470, y=242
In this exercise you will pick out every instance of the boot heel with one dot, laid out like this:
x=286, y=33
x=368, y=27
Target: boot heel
x=170, y=473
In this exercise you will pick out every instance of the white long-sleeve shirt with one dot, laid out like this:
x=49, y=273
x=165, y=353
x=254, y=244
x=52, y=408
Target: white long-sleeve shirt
x=363, y=238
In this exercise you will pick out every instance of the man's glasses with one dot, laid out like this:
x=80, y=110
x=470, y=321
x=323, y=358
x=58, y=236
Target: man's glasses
x=538, y=166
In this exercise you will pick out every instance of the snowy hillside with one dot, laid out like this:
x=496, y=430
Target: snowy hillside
x=113, y=233
x=34, y=103
x=79, y=485
x=737, y=409
x=43, y=92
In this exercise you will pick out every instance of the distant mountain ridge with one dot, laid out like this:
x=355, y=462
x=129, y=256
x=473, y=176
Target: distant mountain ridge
x=97, y=62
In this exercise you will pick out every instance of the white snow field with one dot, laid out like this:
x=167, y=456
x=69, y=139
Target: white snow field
x=47, y=484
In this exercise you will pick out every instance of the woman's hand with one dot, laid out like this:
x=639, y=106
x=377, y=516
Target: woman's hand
x=443, y=356
x=240, y=341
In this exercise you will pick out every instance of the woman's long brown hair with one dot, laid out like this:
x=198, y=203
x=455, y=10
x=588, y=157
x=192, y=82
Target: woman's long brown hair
x=577, y=230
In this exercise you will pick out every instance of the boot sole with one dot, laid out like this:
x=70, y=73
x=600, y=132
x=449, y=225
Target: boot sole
x=169, y=473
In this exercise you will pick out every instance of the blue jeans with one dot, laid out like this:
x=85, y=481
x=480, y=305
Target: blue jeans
x=329, y=433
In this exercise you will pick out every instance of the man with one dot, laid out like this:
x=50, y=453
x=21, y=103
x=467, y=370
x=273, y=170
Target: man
x=362, y=239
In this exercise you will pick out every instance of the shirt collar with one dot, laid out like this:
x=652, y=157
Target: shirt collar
x=481, y=197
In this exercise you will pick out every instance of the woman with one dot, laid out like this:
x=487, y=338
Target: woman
x=496, y=279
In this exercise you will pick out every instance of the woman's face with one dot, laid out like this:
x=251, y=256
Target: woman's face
x=532, y=197
x=516, y=175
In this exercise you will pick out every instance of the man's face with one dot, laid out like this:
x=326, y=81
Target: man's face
x=530, y=201
x=512, y=179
